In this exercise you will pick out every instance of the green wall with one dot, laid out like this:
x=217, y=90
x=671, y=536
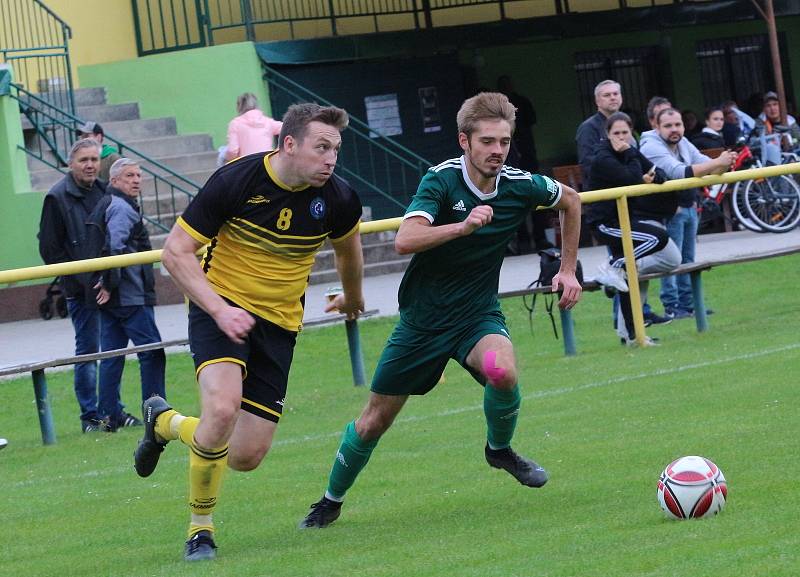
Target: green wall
x=544, y=72
x=198, y=87
x=19, y=207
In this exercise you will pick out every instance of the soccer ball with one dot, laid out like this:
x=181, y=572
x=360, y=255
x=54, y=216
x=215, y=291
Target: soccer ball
x=692, y=488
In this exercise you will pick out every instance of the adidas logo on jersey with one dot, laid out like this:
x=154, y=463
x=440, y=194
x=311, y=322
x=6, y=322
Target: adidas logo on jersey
x=459, y=206
x=257, y=199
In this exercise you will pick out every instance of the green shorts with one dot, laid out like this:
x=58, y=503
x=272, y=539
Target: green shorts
x=414, y=359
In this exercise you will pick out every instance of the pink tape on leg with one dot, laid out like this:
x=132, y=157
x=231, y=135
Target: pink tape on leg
x=492, y=372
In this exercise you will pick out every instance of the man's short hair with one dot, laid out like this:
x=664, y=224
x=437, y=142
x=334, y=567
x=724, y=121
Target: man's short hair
x=298, y=117
x=246, y=102
x=90, y=127
x=667, y=111
x=599, y=87
x=485, y=106
x=81, y=144
x=119, y=165
x=711, y=110
x=653, y=103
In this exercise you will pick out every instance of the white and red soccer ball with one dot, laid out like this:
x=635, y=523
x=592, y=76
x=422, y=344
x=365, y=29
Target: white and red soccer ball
x=692, y=488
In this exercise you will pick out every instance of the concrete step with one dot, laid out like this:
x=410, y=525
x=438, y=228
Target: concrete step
x=156, y=194
x=90, y=96
x=170, y=145
x=125, y=130
x=109, y=112
x=186, y=163
x=82, y=97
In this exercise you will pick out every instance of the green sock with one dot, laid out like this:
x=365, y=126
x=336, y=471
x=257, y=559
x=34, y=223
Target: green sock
x=352, y=456
x=501, y=409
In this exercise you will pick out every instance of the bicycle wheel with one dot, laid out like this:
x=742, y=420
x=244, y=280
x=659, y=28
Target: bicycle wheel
x=773, y=203
x=740, y=209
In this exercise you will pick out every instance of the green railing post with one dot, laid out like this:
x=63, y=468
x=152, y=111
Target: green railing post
x=43, y=407
x=700, y=316
x=356, y=358
x=568, y=330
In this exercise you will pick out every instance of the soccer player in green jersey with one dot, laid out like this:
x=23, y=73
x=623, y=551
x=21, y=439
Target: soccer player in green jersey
x=458, y=225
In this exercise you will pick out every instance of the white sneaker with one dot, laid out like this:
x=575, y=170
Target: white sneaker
x=648, y=342
x=3, y=443
x=610, y=276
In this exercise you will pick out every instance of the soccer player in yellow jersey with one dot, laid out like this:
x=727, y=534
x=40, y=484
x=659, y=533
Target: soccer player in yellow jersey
x=264, y=217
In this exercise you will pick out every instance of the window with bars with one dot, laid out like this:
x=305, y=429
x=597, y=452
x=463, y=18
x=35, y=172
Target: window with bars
x=740, y=69
x=642, y=72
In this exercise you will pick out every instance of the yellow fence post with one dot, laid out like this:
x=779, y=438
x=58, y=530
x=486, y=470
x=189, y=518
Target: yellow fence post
x=630, y=267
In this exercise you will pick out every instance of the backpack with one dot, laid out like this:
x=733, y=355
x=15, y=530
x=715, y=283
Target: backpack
x=549, y=264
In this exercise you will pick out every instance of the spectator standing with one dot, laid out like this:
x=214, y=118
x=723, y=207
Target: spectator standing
x=679, y=158
x=108, y=154
x=64, y=237
x=532, y=230
x=128, y=315
x=264, y=217
x=711, y=135
x=251, y=131
x=608, y=98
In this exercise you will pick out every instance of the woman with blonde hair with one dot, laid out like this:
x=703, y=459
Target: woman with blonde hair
x=252, y=130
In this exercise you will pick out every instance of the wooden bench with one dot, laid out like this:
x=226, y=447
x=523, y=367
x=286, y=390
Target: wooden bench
x=40, y=382
x=695, y=271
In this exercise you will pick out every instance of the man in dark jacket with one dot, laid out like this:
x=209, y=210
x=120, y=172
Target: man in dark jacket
x=608, y=97
x=128, y=315
x=65, y=236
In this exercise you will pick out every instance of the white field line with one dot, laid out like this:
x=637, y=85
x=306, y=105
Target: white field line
x=455, y=411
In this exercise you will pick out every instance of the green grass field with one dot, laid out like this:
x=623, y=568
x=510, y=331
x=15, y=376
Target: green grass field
x=604, y=423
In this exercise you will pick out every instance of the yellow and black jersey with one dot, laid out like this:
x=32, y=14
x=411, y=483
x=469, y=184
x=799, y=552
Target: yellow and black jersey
x=263, y=235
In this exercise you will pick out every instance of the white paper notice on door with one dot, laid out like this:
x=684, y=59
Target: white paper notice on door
x=383, y=115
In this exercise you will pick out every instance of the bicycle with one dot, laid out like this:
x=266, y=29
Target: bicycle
x=762, y=205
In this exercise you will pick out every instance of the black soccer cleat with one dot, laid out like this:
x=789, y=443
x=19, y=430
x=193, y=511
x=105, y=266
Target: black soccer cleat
x=200, y=547
x=145, y=457
x=322, y=513
x=524, y=470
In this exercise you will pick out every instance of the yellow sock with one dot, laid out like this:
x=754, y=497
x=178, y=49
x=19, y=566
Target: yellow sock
x=186, y=430
x=162, y=427
x=206, y=467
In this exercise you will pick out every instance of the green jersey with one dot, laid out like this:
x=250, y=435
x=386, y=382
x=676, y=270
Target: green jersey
x=450, y=283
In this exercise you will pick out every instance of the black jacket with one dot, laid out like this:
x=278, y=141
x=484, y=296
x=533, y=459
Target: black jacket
x=611, y=169
x=706, y=140
x=589, y=138
x=64, y=233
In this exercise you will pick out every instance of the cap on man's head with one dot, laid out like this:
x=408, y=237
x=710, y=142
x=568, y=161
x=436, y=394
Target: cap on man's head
x=89, y=128
x=769, y=96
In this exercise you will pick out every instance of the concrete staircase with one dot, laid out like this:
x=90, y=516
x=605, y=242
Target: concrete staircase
x=194, y=157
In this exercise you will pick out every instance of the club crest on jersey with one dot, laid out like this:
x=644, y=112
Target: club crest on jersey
x=317, y=208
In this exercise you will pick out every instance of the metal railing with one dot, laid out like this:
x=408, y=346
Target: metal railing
x=52, y=131
x=384, y=172
x=34, y=42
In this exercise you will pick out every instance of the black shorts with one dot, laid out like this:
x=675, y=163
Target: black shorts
x=265, y=357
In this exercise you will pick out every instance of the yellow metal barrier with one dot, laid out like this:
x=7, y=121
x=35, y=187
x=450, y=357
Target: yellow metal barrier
x=619, y=194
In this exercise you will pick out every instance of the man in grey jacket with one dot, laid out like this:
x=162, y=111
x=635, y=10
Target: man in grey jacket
x=128, y=315
x=669, y=150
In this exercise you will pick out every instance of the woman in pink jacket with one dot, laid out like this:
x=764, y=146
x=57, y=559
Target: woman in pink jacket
x=251, y=131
